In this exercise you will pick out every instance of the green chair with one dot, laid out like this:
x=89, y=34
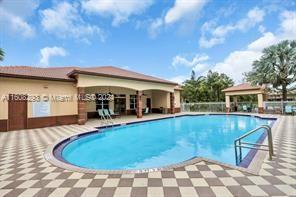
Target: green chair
x=288, y=109
x=101, y=114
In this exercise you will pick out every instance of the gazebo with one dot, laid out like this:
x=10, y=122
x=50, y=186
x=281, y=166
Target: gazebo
x=245, y=89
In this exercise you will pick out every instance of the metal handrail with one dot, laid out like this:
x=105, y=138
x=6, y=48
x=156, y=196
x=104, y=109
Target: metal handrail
x=239, y=144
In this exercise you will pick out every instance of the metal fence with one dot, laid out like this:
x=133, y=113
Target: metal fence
x=270, y=107
x=280, y=107
x=203, y=107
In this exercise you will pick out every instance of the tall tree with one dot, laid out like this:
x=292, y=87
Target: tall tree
x=277, y=66
x=206, y=89
x=1, y=54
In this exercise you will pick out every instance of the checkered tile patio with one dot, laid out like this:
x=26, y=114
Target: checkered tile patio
x=24, y=172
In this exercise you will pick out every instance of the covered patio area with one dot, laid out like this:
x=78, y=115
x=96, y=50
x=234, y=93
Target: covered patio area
x=124, y=96
x=243, y=90
x=130, y=102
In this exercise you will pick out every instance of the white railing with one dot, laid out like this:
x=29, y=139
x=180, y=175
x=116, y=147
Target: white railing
x=203, y=107
x=270, y=107
x=280, y=107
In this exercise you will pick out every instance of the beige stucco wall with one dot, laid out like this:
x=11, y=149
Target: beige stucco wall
x=91, y=106
x=177, y=98
x=92, y=81
x=39, y=87
x=260, y=100
x=160, y=99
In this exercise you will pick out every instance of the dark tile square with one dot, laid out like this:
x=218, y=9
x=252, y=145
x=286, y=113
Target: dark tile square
x=167, y=174
x=97, y=183
x=126, y=182
x=184, y=183
x=139, y=192
x=214, y=182
x=172, y=192
x=221, y=173
x=243, y=181
x=107, y=192
x=75, y=192
x=194, y=174
x=238, y=191
x=203, y=168
x=114, y=176
x=204, y=191
x=141, y=175
x=155, y=182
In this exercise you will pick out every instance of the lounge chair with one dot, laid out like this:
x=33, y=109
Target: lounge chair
x=294, y=108
x=288, y=109
x=112, y=114
x=146, y=110
x=101, y=114
x=107, y=114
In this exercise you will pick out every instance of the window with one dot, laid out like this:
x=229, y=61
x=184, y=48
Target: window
x=101, y=103
x=41, y=109
x=133, y=101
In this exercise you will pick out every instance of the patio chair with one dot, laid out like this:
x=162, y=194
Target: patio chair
x=288, y=109
x=112, y=114
x=146, y=110
x=270, y=109
x=109, y=119
x=245, y=108
x=101, y=114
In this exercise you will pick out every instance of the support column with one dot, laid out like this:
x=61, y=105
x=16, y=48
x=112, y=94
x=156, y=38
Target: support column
x=139, y=104
x=82, y=117
x=227, y=102
x=260, y=103
x=172, y=102
x=235, y=103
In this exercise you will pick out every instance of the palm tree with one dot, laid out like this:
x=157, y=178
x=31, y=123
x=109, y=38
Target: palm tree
x=277, y=66
x=1, y=54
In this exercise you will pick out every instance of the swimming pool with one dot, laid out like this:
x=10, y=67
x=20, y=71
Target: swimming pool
x=159, y=143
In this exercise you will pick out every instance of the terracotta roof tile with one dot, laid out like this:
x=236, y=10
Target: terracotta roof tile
x=64, y=73
x=243, y=86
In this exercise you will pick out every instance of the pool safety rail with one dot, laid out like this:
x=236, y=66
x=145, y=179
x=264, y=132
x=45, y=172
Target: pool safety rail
x=238, y=144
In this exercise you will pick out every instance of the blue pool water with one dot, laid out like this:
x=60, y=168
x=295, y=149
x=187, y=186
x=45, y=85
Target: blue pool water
x=162, y=142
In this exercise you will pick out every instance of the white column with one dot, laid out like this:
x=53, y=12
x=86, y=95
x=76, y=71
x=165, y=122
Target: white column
x=260, y=103
x=227, y=102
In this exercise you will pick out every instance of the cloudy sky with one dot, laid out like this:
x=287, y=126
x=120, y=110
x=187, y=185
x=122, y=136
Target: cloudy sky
x=166, y=38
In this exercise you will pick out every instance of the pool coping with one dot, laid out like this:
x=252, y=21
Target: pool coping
x=253, y=166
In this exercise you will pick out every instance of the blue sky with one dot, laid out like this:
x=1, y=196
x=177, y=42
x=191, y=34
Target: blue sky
x=165, y=38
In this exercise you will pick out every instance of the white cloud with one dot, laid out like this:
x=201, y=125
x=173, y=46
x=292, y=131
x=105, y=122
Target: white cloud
x=195, y=63
x=266, y=40
x=238, y=62
x=178, y=79
x=48, y=52
x=13, y=16
x=20, y=8
x=213, y=35
x=186, y=10
x=64, y=20
x=154, y=27
x=183, y=9
x=288, y=25
x=208, y=43
x=120, y=10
